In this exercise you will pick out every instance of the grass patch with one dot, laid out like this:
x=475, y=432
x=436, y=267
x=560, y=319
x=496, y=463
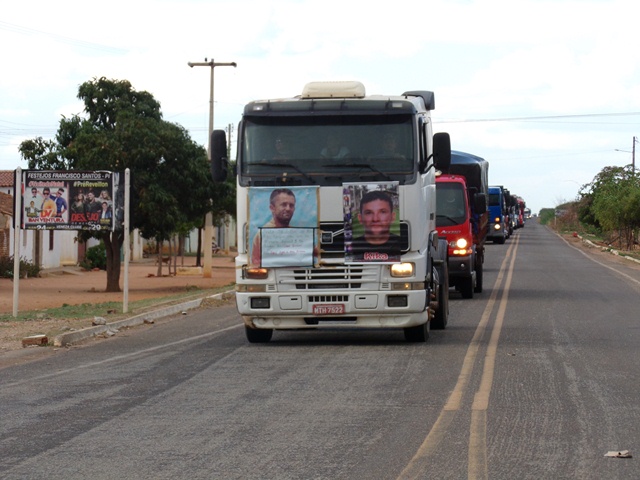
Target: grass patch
x=111, y=310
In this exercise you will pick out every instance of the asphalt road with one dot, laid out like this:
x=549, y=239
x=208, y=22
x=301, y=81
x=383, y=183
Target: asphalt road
x=537, y=377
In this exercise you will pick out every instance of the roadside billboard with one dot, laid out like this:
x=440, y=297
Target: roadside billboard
x=71, y=200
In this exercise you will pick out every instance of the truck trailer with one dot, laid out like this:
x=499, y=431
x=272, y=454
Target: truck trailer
x=462, y=218
x=336, y=212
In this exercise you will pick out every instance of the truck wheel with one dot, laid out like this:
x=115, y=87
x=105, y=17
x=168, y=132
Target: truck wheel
x=417, y=334
x=478, y=288
x=441, y=316
x=255, y=335
x=466, y=287
x=500, y=240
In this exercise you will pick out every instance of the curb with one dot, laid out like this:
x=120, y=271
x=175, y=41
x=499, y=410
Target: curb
x=70, y=338
x=606, y=249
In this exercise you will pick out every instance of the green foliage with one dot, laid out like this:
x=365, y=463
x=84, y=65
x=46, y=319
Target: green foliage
x=547, y=215
x=27, y=269
x=611, y=203
x=171, y=185
x=96, y=257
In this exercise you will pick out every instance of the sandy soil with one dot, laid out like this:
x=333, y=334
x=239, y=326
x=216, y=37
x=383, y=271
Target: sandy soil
x=73, y=286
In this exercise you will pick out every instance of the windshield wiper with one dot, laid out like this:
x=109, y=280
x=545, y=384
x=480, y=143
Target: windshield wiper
x=360, y=165
x=288, y=165
x=451, y=219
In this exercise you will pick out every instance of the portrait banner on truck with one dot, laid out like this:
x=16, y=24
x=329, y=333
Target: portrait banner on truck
x=371, y=222
x=71, y=200
x=283, y=226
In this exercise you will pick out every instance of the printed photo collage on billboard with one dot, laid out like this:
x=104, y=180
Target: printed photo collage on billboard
x=59, y=200
x=284, y=229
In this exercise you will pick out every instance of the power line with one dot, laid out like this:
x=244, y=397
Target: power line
x=545, y=117
x=61, y=38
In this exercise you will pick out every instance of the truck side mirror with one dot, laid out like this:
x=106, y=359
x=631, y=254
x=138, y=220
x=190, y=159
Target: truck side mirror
x=480, y=202
x=219, y=160
x=442, y=151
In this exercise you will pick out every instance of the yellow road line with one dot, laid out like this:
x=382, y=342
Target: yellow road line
x=477, y=467
x=416, y=466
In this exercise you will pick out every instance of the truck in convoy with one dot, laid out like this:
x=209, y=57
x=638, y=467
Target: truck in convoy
x=520, y=211
x=336, y=212
x=512, y=216
x=462, y=219
x=498, y=215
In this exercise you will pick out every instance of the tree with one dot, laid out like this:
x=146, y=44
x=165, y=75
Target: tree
x=123, y=128
x=612, y=201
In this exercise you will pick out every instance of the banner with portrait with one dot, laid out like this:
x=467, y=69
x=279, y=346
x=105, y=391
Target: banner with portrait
x=283, y=226
x=371, y=222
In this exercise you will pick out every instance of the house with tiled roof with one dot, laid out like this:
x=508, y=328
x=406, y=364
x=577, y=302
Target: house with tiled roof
x=6, y=217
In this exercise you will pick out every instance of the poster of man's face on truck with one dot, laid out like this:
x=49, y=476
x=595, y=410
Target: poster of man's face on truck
x=283, y=226
x=372, y=229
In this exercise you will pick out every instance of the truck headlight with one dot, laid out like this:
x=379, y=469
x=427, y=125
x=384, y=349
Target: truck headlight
x=402, y=269
x=462, y=243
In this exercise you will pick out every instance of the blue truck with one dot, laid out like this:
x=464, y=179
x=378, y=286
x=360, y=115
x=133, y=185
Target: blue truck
x=498, y=215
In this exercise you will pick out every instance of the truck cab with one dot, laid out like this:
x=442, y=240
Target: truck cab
x=498, y=215
x=462, y=218
x=328, y=152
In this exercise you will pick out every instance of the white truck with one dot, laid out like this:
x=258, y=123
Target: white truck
x=336, y=212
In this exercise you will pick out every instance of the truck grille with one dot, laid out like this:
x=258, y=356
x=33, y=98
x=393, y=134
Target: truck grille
x=346, y=277
x=332, y=239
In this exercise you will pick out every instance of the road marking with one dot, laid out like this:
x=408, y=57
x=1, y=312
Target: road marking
x=477, y=467
x=416, y=466
x=628, y=277
x=122, y=357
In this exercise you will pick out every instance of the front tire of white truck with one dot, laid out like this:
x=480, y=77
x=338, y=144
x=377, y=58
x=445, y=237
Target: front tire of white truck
x=417, y=334
x=441, y=317
x=258, y=335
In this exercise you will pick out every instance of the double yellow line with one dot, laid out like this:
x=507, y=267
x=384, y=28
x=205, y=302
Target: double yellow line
x=477, y=457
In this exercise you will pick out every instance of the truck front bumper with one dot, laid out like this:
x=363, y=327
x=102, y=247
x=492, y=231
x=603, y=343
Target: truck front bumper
x=460, y=266
x=365, y=309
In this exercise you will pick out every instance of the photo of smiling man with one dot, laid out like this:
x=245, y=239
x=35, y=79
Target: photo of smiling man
x=374, y=224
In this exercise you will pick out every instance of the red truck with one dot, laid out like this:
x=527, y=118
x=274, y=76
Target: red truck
x=462, y=218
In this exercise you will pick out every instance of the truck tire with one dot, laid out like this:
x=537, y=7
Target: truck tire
x=466, y=287
x=441, y=317
x=500, y=240
x=478, y=288
x=258, y=335
x=417, y=334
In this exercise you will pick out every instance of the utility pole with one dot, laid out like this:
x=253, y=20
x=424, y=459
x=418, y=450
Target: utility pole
x=208, y=228
x=633, y=155
x=230, y=135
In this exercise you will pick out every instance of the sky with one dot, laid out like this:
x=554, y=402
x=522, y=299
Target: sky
x=547, y=91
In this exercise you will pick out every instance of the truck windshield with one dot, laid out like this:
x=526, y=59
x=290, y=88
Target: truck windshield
x=494, y=199
x=327, y=150
x=451, y=205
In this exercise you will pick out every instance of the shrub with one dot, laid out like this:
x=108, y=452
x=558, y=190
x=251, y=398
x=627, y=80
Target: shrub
x=96, y=257
x=27, y=269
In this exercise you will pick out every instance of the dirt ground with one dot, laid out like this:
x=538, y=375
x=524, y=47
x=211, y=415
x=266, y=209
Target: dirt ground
x=74, y=286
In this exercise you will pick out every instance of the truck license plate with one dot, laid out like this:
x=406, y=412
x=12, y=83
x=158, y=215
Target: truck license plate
x=333, y=309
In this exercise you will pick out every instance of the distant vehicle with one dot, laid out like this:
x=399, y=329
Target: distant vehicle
x=520, y=207
x=498, y=215
x=462, y=218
